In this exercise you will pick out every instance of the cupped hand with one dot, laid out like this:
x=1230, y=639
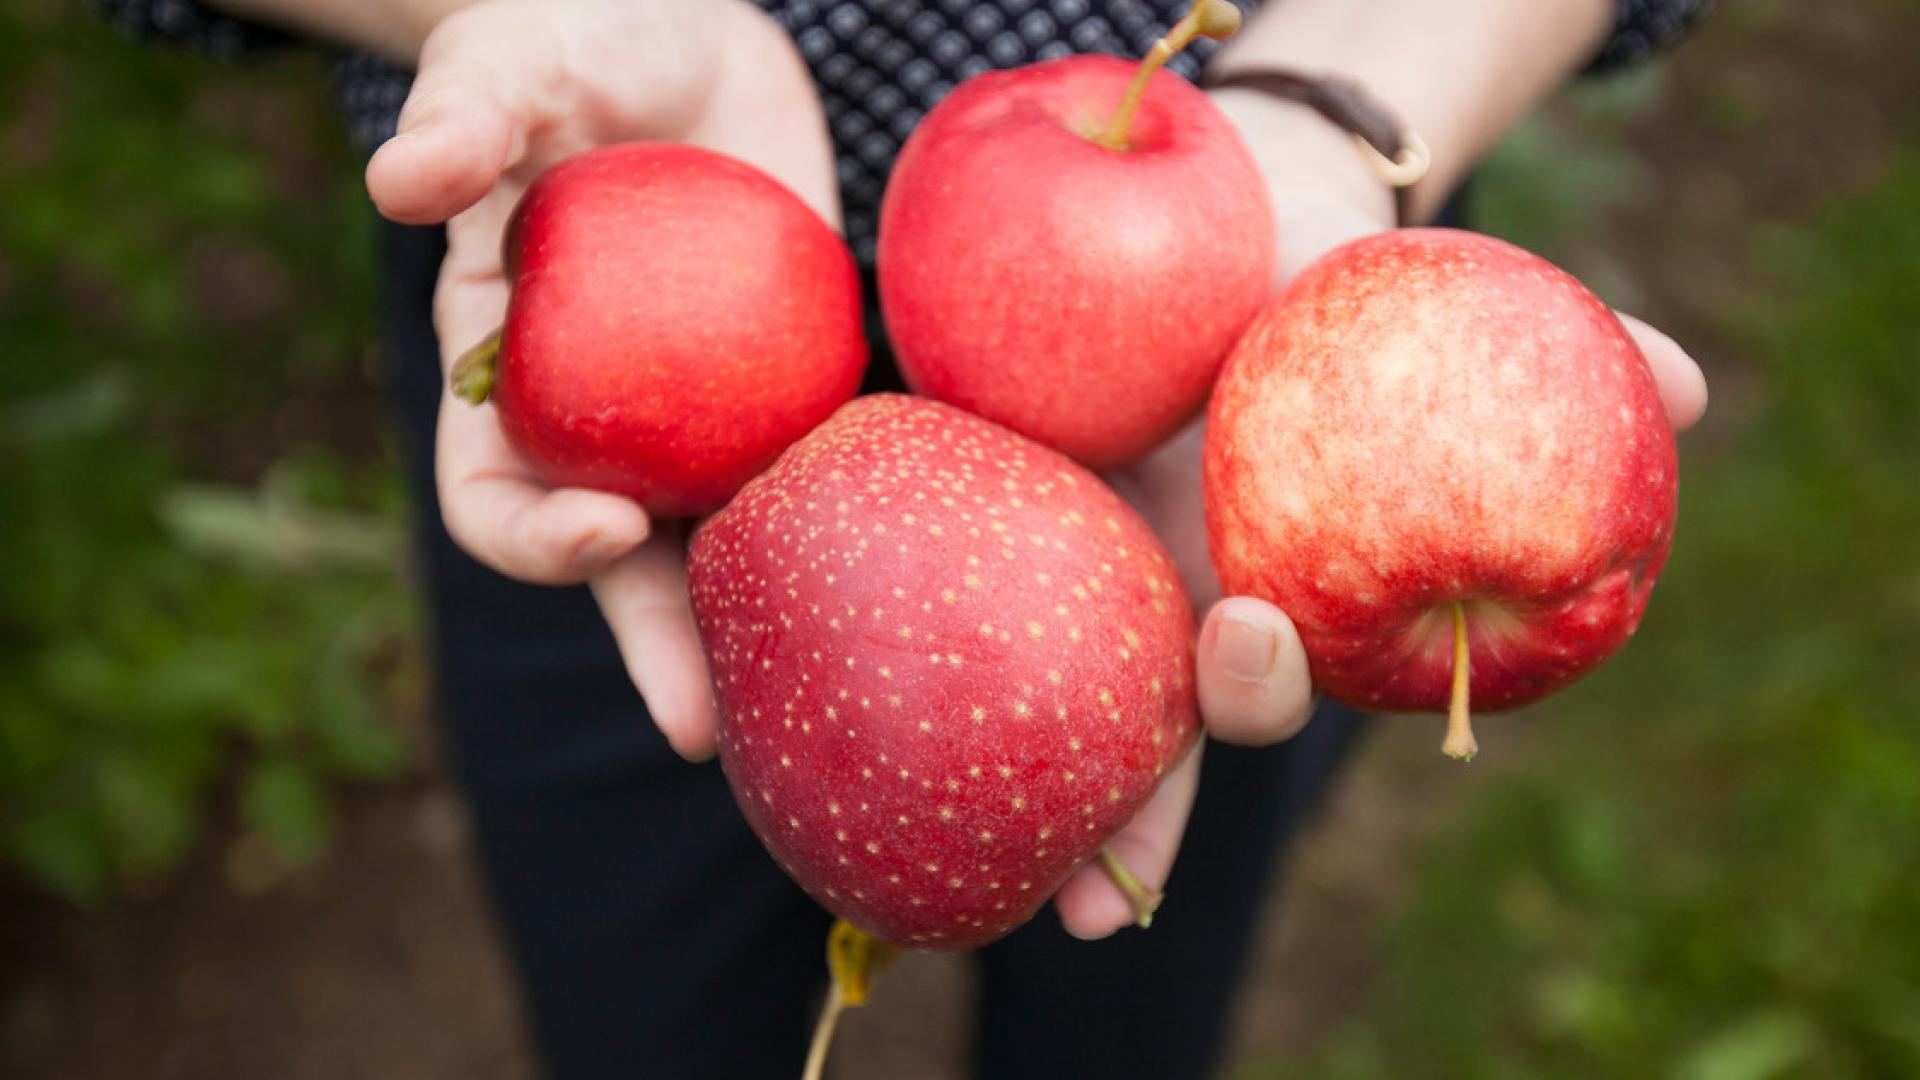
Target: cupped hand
x=505, y=89
x=1252, y=676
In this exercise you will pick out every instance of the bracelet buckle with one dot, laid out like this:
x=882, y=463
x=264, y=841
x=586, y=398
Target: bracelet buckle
x=1400, y=158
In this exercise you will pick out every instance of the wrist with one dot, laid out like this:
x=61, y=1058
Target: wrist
x=1456, y=72
x=395, y=30
x=414, y=22
x=1304, y=155
x=1323, y=189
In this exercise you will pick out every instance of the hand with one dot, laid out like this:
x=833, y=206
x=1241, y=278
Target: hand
x=1252, y=674
x=506, y=88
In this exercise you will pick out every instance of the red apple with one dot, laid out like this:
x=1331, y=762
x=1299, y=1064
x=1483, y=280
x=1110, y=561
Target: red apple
x=678, y=318
x=1439, y=453
x=949, y=663
x=1081, y=294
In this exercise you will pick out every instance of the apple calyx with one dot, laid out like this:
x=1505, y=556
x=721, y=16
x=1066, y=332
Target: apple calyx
x=1143, y=898
x=1216, y=19
x=853, y=955
x=473, y=373
x=1459, y=744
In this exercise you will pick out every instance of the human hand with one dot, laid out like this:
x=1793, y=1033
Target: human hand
x=1251, y=670
x=505, y=89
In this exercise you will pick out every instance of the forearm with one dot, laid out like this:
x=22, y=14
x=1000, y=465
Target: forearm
x=1458, y=72
x=394, y=28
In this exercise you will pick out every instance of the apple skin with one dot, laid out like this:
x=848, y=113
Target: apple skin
x=678, y=318
x=1430, y=416
x=949, y=663
x=1082, y=296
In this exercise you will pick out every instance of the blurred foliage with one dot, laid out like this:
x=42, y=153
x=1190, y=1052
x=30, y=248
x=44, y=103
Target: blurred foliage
x=1713, y=870
x=199, y=597
x=1556, y=171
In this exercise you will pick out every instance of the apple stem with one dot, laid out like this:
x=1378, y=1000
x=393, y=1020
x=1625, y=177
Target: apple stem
x=853, y=955
x=1216, y=19
x=473, y=373
x=1143, y=898
x=1459, y=744
x=823, y=1033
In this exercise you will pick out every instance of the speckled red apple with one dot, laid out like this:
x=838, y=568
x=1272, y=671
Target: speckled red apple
x=1439, y=453
x=949, y=663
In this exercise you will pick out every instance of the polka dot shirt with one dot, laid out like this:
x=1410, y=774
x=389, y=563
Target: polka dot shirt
x=879, y=64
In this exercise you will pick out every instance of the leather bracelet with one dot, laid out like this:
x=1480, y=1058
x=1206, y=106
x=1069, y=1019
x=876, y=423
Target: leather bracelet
x=1399, y=157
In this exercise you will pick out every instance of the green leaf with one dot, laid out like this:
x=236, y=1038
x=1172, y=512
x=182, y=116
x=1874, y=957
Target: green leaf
x=32, y=742
x=87, y=407
x=275, y=528
x=219, y=522
x=1759, y=1047
x=62, y=849
x=352, y=737
x=147, y=810
x=281, y=799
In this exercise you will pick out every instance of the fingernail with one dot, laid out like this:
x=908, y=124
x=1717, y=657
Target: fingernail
x=1084, y=935
x=1244, y=650
x=598, y=549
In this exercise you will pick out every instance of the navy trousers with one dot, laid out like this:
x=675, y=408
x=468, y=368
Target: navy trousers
x=652, y=935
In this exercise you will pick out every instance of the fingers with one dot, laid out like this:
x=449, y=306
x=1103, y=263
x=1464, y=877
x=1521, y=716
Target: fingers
x=1683, y=388
x=464, y=123
x=470, y=301
x=644, y=599
x=494, y=504
x=1090, y=905
x=1254, y=689
x=1252, y=674
x=512, y=524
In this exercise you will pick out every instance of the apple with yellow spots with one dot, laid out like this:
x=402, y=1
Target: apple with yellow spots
x=949, y=663
x=1070, y=248
x=1447, y=461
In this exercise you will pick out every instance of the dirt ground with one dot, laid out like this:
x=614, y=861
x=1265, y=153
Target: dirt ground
x=378, y=961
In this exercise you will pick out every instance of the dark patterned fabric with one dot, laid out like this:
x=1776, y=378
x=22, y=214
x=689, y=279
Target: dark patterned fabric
x=188, y=24
x=880, y=64
x=1641, y=27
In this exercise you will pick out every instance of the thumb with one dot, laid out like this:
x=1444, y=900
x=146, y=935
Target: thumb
x=1683, y=389
x=465, y=121
x=1252, y=673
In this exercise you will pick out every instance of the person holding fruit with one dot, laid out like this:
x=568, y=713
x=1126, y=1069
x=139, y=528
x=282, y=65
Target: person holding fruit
x=651, y=934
